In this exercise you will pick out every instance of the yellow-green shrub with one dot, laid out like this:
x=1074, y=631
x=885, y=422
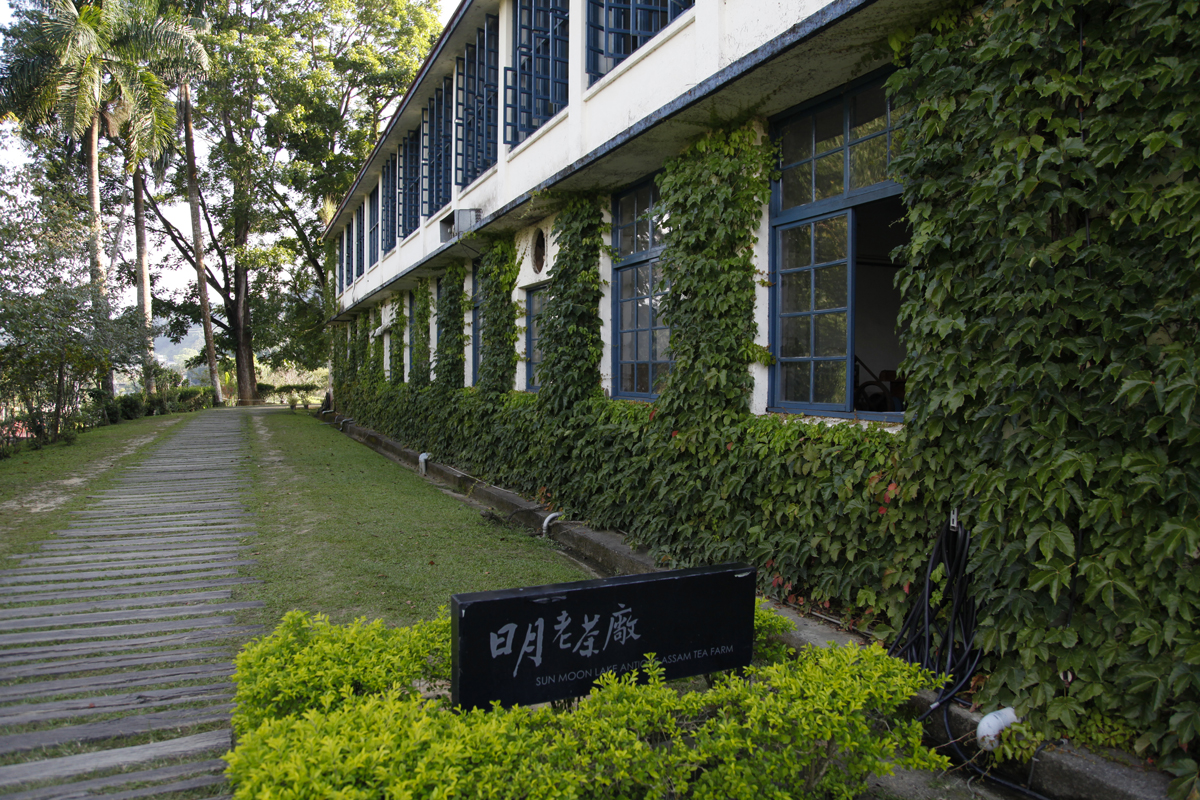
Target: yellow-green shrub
x=805, y=728
x=307, y=663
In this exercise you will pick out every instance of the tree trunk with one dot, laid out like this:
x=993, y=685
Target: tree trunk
x=98, y=274
x=143, y=277
x=198, y=244
x=239, y=321
x=59, y=402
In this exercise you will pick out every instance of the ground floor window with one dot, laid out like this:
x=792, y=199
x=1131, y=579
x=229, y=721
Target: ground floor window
x=641, y=352
x=535, y=302
x=837, y=348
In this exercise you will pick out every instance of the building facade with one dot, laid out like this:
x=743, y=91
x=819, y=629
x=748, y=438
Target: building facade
x=524, y=97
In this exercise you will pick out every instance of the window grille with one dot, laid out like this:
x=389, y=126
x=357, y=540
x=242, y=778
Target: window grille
x=359, y=226
x=373, y=233
x=476, y=101
x=535, y=302
x=618, y=27
x=641, y=344
x=341, y=260
x=390, y=169
x=411, y=190
x=535, y=88
x=438, y=147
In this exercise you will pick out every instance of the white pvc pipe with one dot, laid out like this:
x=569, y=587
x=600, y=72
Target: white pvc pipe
x=987, y=735
x=546, y=522
x=422, y=460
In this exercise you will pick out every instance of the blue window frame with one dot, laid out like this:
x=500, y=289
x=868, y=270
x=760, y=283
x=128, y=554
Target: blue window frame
x=410, y=206
x=641, y=343
x=360, y=223
x=536, y=87
x=535, y=303
x=341, y=260
x=390, y=168
x=477, y=103
x=618, y=27
x=439, y=141
x=373, y=231
x=835, y=219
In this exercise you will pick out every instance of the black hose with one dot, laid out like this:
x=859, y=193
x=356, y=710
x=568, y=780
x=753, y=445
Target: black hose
x=939, y=635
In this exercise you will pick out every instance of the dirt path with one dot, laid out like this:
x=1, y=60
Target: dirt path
x=116, y=637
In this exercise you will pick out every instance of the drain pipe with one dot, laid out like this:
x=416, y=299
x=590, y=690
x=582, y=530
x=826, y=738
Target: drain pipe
x=423, y=460
x=546, y=522
x=342, y=427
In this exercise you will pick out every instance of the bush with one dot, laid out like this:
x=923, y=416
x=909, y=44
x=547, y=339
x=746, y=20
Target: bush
x=131, y=406
x=815, y=727
x=308, y=664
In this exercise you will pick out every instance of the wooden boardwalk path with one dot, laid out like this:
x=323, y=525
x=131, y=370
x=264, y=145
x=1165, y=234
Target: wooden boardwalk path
x=116, y=638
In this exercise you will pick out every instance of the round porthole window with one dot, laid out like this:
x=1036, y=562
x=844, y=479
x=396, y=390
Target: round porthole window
x=539, y=251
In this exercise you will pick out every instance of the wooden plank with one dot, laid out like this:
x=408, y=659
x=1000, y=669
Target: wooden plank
x=24, y=713
x=25, y=572
x=111, y=631
x=82, y=534
x=117, y=544
x=118, y=576
x=84, y=788
x=68, y=766
x=128, y=725
x=149, y=677
x=88, y=558
x=105, y=591
x=113, y=728
x=198, y=782
x=237, y=633
x=127, y=661
x=124, y=602
x=125, y=615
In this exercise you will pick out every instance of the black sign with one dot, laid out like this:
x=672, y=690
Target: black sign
x=540, y=643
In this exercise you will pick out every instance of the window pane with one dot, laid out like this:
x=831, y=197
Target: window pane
x=662, y=344
x=796, y=141
x=643, y=346
x=796, y=244
x=868, y=112
x=626, y=236
x=628, y=315
x=795, y=338
x=795, y=292
x=643, y=312
x=829, y=334
x=625, y=212
x=830, y=178
x=796, y=187
x=656, y=277
x=660, y=376
x=830, y=238
x=643, y=200
x=642, y=384
x=831, y=382
x=643, y=280
x=831, y=286
x=796, y=382
x=627, y=377
x=829, y=129
x=627, y=344
x=626, y=281
x=643, y=236
x=868, y=162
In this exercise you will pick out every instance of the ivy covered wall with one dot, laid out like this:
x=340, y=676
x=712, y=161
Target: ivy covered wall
x=1051, y=299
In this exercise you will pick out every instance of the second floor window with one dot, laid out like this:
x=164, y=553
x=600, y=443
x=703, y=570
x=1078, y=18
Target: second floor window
x=439, y=141
x=615, y=28
x=360, y=224
x=390, y=170
x=478, y=89
x=373, y=233
x=341, y=260
x=535, y=88
x=410, y=191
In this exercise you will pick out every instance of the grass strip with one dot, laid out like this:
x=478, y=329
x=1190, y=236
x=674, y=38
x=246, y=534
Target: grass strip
x=347, y=532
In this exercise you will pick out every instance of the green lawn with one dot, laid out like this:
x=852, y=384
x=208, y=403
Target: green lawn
x=38, y=488
x=347, y=532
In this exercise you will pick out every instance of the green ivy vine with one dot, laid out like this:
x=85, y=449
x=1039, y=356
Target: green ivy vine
x=450, y=369
x=396, y=351
x=570, y=322
x=498, y=279
x=419, y=371
x=1051, y=164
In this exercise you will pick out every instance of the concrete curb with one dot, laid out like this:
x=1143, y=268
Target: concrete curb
x=1061, y=771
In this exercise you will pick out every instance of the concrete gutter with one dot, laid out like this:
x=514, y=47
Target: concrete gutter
x=1061, y=771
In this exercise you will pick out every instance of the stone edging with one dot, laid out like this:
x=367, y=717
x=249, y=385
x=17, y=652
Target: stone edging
x=1062, y=772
